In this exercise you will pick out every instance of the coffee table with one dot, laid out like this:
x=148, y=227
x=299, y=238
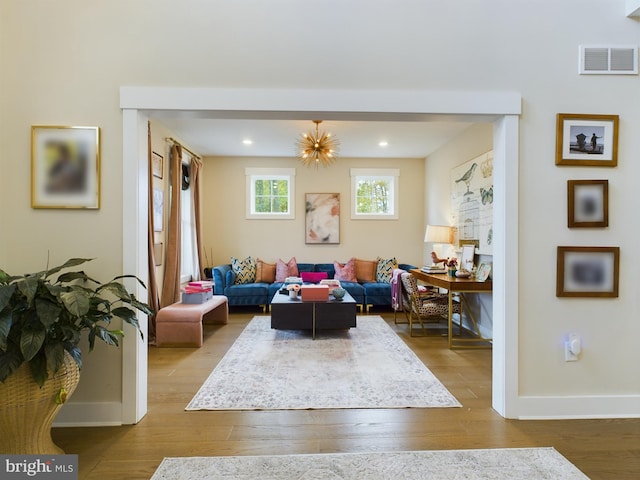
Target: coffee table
x=296, y=314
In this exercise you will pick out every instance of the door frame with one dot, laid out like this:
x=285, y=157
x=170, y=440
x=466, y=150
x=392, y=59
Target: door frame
x=502, y=109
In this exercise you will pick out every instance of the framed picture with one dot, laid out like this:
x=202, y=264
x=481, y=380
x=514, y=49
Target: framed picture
x=467, y=257
x=65, y=167
x=588, y=203
x=587, y=140
x=588, y=271
x=157, y=164
x=158, y=209
x=322, y=220
x=484, y=270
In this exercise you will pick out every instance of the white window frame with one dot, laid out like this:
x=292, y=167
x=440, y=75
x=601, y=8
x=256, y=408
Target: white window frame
x=253, y=174
x=188, y=247
x=390, y=174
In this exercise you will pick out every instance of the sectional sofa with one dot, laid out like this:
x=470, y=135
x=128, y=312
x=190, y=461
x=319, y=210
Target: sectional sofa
x=366, y=294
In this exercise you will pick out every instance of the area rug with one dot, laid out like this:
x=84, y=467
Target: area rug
x=364, y=367
x=499, y=464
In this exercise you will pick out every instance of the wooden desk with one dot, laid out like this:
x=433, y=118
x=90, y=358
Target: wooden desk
x=460, y=286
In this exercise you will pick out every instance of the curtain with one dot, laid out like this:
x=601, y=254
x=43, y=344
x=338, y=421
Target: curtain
x=152, y=286
x=196, y=171
x=171, y=283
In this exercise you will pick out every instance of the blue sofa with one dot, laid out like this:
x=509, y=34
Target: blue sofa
x=260, y=294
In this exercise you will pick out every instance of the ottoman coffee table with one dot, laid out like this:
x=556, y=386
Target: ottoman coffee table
x=296, y=314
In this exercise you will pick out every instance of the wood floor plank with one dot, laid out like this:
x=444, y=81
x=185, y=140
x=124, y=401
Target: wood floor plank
x=602, y=449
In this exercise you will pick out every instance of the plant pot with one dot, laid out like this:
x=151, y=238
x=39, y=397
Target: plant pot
x=452, y=272
x=28, y=411
x=293, y=295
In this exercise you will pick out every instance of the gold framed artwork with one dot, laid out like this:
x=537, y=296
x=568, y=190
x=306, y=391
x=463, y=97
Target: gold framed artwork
x=587, y=271
x=587, y=140
x=157, y=164
x=65, y=167
x=322, y=220
x=588, y=203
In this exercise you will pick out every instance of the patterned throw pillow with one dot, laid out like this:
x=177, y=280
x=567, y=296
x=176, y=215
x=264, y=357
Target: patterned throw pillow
x=346, y=272
x=384, y=270
x=366, y=270
x=245, y=270
x=284, y=270
x=265, y=272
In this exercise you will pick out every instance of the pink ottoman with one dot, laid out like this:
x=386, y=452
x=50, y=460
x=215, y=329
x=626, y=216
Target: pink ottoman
x=180, y=324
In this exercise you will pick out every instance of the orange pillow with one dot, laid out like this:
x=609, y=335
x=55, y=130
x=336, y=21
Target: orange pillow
x=366, y=270
x=265, y=272
x=284, y=270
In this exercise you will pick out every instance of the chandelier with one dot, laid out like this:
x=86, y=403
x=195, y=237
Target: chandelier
x=319, y=148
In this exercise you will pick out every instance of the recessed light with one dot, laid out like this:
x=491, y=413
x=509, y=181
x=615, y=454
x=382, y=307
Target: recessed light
x=247, y=141
x=383, y=143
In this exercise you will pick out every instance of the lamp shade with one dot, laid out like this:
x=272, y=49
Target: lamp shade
x=438, y=234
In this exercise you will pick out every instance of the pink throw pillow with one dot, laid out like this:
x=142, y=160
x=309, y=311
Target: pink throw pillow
x=346, y=272
x=313, y=277
x=284, y=270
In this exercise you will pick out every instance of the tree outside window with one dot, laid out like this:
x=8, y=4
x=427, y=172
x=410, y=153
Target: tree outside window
x=270, y=193
x=374, y=193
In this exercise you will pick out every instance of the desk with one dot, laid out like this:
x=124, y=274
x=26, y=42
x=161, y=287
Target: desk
x=460, y=286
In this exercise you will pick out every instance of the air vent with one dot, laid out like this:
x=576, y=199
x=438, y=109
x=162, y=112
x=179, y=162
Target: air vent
x=608, y=60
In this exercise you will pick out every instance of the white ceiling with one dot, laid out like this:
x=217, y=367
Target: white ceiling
x=276, y=137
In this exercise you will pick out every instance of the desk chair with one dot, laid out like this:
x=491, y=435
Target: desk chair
x=425, y=306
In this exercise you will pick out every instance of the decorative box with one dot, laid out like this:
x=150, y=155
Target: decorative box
x=199, y=297
x=315, y=293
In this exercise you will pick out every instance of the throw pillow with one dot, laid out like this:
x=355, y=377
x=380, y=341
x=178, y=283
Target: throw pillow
x=346, y=272
x=313, y=277
x=366, y=270
x=265, y=272
x=384, y=270
x=284, y=270
x=245, y=270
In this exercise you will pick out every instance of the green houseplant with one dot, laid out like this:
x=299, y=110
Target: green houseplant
x=43, y=316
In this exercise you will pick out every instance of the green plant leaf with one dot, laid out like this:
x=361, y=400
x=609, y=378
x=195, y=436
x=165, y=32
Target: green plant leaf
x=4, y=276
x=116, y=289
x=28, y=287
x=6, y=320
x=47, y=311
x=31, y=340
x=143, y=307
x=38, y=366
x=110, y=337
x=6, y=292
x=131, y=276
x=126, y=314
x=76, y=301
x=72, y=262
x=55, y=356
x=9, y=363
x=75, y=353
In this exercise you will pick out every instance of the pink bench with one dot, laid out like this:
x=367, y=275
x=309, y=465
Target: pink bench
x=180, y=324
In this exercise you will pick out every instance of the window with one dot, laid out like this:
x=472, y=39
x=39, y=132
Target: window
x=270, y=193
x=374, y=193
x=188, y=248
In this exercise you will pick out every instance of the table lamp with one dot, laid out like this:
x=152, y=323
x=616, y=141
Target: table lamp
x=438, y=235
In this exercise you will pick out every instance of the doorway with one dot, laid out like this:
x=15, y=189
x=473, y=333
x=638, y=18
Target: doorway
x=502, y=110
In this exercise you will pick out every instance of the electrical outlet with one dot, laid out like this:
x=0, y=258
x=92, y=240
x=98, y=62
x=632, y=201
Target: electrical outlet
x=569, y=356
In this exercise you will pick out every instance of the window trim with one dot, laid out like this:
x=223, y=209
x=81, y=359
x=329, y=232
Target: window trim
x=252, y=174
x=393, y=173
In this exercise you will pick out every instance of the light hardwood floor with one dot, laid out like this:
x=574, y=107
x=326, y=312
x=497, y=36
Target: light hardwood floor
x=602, y=449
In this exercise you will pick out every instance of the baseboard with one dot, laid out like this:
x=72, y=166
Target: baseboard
x=90, y=415
x=578, y=407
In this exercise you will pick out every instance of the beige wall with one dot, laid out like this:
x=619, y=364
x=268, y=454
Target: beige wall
x=63, y=63
x=228, y=233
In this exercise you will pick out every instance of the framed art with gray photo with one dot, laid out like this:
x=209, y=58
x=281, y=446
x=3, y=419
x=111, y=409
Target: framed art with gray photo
x=587, y=140
x=65, y=167
x=587, y=271
x=588, y=203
